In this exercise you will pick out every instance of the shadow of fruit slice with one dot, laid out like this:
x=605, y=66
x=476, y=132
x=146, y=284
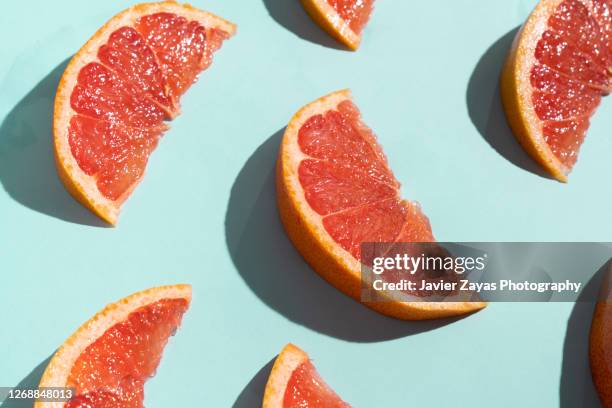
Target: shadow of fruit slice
x=556, y=73
x=336, y=191
x=117, y=92
x=342, y=19
x=600, y=347
x=294, y=382
x=110, y=357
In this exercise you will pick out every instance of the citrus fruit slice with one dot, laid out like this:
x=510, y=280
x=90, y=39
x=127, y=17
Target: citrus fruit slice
x=109, y=358
x=600, y=348
x=336, y=191
x=557, y=70
x=342, y=19
x=295, y=383
x=117, y=92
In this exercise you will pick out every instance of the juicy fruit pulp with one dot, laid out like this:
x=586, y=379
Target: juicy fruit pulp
x=306, y=389
x=355, y=12
x=111, y=372
x=121, y=100
x=573, y=62
x=347, y=181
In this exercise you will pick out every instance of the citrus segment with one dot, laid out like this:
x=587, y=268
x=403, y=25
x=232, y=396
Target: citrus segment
x=128, y=54
x=602, y=10
x=355, y=12
x=109, y=359
x=295, y=383
x=564, y=51
x=331, y=187
x=119, y=89
x=306, y=388
x=339, y=137
x=129, y=350
x=346, y=179
x=101, y=94
x=128, y=394
x=342, y=19
x=335, y=191
x=416, y=226
x=183, y=47
x=380, y=221
x=116, y=154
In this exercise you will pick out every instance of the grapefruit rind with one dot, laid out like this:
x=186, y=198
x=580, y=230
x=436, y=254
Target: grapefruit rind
x=80, y=185
x=599, y=350
x=289, y=359
x=516, y=91
x=57, y=372
x=328, y=19
x=306, y=230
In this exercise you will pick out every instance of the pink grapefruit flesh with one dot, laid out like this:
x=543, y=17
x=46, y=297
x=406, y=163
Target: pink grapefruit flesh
x=306, y=388
x=111, y=372
x=354, y=12
x=346, y=180
x=121, y=100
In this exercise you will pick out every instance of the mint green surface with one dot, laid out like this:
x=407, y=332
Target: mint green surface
x=425, y=79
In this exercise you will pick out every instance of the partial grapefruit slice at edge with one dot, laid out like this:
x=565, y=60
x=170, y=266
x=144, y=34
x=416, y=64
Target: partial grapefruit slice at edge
x=328, y=258
x=59, y=372
x=328, y=18
x=81, y=185
x=600, y=352
x=284, y=389
x=517, y=88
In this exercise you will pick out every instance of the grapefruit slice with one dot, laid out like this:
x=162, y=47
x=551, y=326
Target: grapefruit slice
x=117, y=92
x=600, y=348
x=556, y=73
x=335, y=190
x=295, y=383
x=342, y=19
x=109, y=358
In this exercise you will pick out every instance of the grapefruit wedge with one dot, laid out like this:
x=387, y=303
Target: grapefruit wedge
x=342, y=19
x=295, y=383
x=117, y=92
x=109, y=358
x=600, y=348
x=557, y=71
x=335, y=191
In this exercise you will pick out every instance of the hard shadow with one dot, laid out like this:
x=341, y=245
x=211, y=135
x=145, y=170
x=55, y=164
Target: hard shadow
x=252, y=395
x=27, y=167
x=275, y=272
x=486, y=110
x=31, y=381
x=291, y=15
x=576, y=388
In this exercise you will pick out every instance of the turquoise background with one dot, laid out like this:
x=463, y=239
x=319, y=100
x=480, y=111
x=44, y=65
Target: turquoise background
x=425, y=79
